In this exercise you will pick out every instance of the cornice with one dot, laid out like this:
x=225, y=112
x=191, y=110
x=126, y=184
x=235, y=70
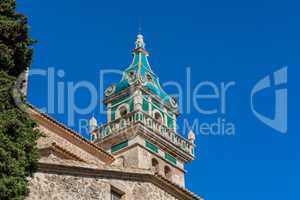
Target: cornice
x=43, y=117
x=156, y=179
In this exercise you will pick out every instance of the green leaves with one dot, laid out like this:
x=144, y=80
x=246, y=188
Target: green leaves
x=7, y=8
x=15, y=50
x=18, y=151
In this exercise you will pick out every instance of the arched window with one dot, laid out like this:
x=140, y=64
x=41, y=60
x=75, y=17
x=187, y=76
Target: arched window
x=149, y=77
x=116, y=195
x=168, y=172
x=155, y=165
x=158, y=117
x=123, y=111
x=131, y=75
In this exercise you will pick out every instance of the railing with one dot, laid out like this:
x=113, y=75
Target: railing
x=127, y=121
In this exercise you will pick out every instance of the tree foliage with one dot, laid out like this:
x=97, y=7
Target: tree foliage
x=18, y=151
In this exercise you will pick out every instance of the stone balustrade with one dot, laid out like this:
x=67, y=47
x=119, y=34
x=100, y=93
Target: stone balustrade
x=128, y=121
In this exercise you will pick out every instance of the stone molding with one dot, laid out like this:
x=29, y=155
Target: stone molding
x=42, y=118
x=132, y=175
x=57, y=148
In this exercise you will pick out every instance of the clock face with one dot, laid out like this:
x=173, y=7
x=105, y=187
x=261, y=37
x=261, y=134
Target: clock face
x=110, y=90
x=173, y=103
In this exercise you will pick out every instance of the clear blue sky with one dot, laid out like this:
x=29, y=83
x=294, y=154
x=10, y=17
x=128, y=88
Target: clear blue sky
x=221, y=41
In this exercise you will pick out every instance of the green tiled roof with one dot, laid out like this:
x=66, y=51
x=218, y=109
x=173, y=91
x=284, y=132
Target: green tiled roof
x=140, y=69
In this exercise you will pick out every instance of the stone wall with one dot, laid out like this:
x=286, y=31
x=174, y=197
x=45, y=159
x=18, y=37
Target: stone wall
x=51, y=136
x=44, y=186
x=177, y=175
x=139, y=157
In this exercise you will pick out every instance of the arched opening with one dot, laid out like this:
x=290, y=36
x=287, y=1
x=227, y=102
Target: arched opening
x=155, y=165
x=148, y=77
x=168, y=172
x=123, y=111
x=131, y=75
x=158, y=117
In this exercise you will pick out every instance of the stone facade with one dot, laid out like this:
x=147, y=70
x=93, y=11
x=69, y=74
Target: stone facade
x=51, y=137
x=66, y=187
x=139, y=157
x=68, y=170
x=60, y=187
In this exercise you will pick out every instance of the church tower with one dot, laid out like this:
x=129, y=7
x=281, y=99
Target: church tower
x=141, y=122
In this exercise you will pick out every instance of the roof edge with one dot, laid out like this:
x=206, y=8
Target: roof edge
x=33, y=112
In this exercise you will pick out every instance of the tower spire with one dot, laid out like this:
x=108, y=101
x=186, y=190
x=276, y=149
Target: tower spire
x=142, y=121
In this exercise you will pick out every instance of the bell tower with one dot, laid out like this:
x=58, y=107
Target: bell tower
x=141, y=122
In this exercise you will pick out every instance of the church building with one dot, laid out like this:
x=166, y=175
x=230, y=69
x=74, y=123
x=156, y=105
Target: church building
x=136, y=155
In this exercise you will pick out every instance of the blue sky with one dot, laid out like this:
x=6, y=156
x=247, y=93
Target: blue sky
x=221, y=41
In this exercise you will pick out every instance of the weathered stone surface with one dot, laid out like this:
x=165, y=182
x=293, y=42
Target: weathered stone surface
x=60, y=187
x=51, y=136
x=45, y=186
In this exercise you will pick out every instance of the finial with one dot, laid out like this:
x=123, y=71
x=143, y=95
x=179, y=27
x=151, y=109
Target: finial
x=192, y=136
x=139, y=43
x=93, y=124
